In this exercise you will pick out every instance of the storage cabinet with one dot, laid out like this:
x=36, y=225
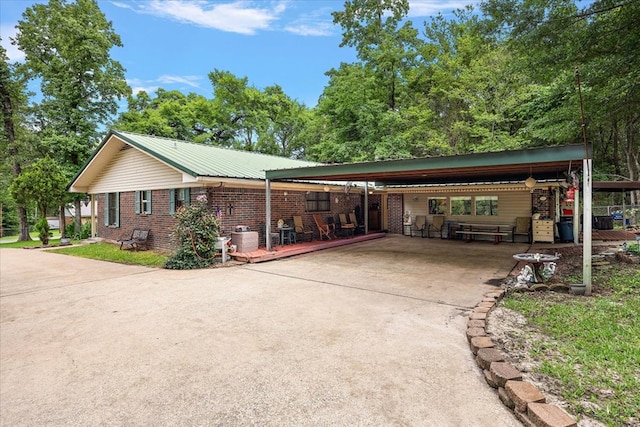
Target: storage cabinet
x=542, y=230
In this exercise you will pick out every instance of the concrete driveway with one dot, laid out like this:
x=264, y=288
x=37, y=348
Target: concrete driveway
x=367, y=334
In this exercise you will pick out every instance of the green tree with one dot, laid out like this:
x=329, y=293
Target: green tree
x=42, y=183
x=14, y=139
x=67, y=48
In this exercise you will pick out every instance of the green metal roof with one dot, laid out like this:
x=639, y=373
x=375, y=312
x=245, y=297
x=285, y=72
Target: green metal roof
x=515, y=165
x=207, y=160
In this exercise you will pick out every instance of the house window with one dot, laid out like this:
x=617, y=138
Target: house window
x=178, y=197
x=487, y=205
x=461, y=205
x=437, y=205
x=143, y=202
x=317, y=201
x=112, y=209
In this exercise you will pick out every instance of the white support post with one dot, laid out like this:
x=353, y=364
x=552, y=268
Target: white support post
x=365, y=209
x=93, y=216
x=267, y=225
x=587, y=224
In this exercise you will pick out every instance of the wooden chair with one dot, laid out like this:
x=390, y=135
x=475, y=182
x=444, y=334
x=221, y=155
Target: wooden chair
x=325, y=230
x=420, y=224
x=358, y=227
x=346, y=227
x=436, y=225
x=300, y=230
x=522, y=228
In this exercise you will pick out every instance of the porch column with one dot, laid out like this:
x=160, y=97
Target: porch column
x=365, y=208
x=267, y=225
x=587, y=223
x=93, y=216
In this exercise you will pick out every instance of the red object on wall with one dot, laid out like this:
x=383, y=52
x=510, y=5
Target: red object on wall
x=569, y=196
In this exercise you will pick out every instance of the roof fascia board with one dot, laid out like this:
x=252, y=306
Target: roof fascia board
x=525, y=156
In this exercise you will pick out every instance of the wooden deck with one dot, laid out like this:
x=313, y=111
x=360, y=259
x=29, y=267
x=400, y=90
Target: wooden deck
x=613, y=235
x=283, y=251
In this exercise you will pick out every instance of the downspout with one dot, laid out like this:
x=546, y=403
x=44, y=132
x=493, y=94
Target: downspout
x=267, y=225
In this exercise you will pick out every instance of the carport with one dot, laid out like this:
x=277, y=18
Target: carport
x=526, y=166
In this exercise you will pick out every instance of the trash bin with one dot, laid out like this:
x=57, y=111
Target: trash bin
x=565, y=231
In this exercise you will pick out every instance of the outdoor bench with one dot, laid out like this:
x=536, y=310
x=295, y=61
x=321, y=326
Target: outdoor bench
x=137, y=240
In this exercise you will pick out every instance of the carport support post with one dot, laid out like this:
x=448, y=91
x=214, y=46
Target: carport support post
x=267, y=225
x=586, y=227
x=365, y=208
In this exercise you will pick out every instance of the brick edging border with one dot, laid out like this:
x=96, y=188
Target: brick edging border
x=526, y=401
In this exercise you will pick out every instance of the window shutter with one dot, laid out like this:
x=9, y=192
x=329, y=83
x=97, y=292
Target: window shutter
x=106, y=209
x=172, y=201
x=187, y=196
x=117, y=209
x=138, y=197
x=149, y=201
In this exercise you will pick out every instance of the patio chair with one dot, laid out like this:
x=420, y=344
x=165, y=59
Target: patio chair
x=420, y=224
x=304, y=233
x=437, y=225
x=325, y=230
x=522, y=228
x=359, y=228
x=346, y=228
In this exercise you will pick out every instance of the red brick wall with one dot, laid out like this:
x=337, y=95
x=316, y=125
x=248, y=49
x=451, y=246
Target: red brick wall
x=395, y=204
x=248, y=208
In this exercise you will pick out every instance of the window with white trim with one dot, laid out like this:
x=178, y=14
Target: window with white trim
x=112, y=209
x=178, y=197
x=143, y=202
x=460, y=205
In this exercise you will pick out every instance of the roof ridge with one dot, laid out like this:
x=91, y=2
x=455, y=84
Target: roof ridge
x=257, y=153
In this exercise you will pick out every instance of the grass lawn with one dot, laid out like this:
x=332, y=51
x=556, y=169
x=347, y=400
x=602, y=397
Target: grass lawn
x=592, y=344
x=11, y=241
x=112, y=253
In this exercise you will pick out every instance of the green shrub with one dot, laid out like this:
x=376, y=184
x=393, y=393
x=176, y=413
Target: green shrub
x=195, y=233
x=43, y=230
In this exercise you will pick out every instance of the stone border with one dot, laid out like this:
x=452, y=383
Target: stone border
x=526, y=401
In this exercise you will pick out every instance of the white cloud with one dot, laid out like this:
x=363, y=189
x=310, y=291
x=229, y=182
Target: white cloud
x=188, y=80
x=433, y=7
x=8, y=31
x=315, y=23
x=150, y=86
x=236, y=17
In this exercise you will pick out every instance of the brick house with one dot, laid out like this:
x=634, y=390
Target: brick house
x=138, y=181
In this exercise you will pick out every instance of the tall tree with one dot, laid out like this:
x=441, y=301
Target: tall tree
x=13, y=140
x=67, y=48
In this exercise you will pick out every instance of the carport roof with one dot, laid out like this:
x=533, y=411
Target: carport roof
x=547, y=163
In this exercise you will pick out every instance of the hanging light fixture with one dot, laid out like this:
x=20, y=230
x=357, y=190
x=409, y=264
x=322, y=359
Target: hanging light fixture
x=530, y=182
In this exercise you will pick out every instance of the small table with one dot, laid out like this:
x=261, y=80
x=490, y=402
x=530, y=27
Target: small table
x=406, y=228
x=287, y=235
x=537, y=261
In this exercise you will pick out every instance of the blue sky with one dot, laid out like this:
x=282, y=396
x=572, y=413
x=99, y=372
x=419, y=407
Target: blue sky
x=175, y=44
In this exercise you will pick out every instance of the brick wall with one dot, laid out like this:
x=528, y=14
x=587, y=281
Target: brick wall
x=395, y=206
x=238, y=206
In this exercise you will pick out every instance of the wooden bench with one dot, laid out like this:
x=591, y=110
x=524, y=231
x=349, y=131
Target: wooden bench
x=137, y=240
x=497, y=235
